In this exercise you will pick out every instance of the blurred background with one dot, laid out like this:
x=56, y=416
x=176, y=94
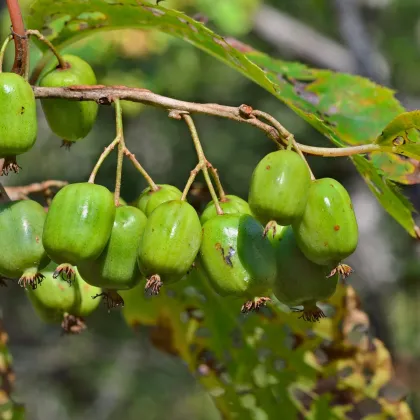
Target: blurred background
x=120, y=374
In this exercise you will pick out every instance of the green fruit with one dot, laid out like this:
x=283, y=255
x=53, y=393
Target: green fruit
x=237, y=258
x=169, y=244
x=18, y=122
x=116, y=268
x=299, y=281
x=57, y=297
x=327, y=232
x=79, y=223
x=232, y=204
x=70, y=120
x=149, y=199
x=279, y=188
x=22, y=254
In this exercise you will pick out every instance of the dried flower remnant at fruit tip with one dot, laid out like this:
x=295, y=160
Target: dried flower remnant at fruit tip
x=153, y=285
x=72, y=324
x=66, y=271
x=254, y=304
x=112, y=299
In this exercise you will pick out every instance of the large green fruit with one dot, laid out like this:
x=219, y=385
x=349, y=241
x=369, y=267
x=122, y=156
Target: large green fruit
x=149, y=199
x=116, y=268
x=57, y=298
x=327, y=232
x=70, y=120
x=279, y=188
x=237, y=258
x=22, y=254
x=18, y=122
x=299, y=281
x=232, y=204
x=169, y=244
x=79, y=223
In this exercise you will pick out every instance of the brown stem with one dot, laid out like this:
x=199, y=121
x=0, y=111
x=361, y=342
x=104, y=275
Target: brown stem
x=22, y=192
x=21, y=41
x=102, y=95
x=62, y=64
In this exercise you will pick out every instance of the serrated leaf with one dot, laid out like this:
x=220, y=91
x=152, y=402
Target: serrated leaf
x=387, y=193
x=401, y=135
x=346, y=109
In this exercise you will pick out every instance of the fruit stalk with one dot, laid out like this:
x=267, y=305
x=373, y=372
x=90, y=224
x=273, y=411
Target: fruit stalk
x=102, y=158
x=20, y=64
x=202, y=159
x=288, y=137
x=214, y=172
x=191, y=179
x=3, y=50
x=140, y=168
x=121, y=147
x=61, y=62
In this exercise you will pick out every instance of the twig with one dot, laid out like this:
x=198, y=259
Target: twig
x=102, y=158
x=191, y=179
x=216, y=178
x=21, y=63
x=105, y=95
x=22, y=192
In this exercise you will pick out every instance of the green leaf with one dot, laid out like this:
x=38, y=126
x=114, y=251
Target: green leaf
x=401, y=135
x=346, y=109
x=387, y=193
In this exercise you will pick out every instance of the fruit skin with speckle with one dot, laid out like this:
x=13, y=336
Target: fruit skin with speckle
x=279, y=188
x=57, y=296
x=78, y=223
x=327, y=232
x=170, y=241
x=70, y=120
x=18, y=122
x=149, y=199
x=22, y=253
x=232, y=204
x=116, y=268
x=238, y=260
x=299, y=281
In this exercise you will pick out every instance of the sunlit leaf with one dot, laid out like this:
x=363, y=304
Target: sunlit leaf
x=401, y=135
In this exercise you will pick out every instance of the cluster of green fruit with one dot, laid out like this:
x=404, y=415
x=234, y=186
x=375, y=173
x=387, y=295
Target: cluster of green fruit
x=310, y=227
x=71, y=120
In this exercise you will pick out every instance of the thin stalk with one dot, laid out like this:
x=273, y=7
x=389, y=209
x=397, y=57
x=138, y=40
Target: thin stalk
x=286, y=135
x=102, y=158
x=202, y=159
x=61, y=62
x=191, y=179
x=121, y=147
x=214, y=172
x=140, y=168
x=3, y=50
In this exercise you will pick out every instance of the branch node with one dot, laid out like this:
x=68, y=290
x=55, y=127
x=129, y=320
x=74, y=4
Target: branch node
x=245, y=111
x=177, y=114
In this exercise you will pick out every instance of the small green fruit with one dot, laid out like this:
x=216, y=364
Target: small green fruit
x=116, y=268
x=22, y=254
x=299, y=281
x=18, y=122
x=169, y=244
x=70, y=120
x=327, y=232
x=279, y=188
x=79, y=223
x=237, y=258
x=57, y=299
x=232, y=204
x=149, y=199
